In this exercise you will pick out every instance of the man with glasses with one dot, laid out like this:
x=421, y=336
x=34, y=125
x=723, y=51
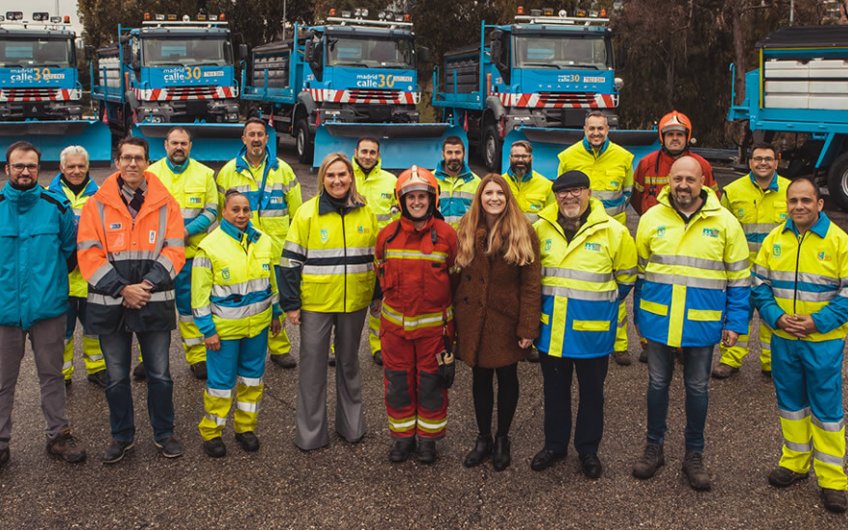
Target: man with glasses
x=692, y=291
x=588, y=267
x=531, y=190
x=131, y=247
x=38, y=251
x=758, y=200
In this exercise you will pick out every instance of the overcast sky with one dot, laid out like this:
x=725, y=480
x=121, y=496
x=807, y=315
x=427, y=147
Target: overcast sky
x=66, y=7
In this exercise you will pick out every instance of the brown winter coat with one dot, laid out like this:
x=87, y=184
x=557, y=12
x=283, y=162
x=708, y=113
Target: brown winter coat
x=495, y=304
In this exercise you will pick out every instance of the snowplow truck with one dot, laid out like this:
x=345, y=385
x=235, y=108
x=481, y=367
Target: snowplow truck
x=352, y=77
x=40, y=90
x=171, y=73
x=798, y=99
x=534, y=80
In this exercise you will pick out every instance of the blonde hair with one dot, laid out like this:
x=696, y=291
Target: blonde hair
x=510, y=236
x=353, y=197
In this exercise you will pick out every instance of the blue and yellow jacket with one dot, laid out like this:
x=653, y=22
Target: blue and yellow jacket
x=77, y=286
x=759, y=210
x=694, y=279
x=610, y=171
x=583, y=282
x=37, y=242
x=804, y=275
x=532, y=193
x=378, y=188
x=455, y=193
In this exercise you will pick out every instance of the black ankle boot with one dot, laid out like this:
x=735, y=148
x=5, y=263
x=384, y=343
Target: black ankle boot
x=482, y=450
x=501, y=457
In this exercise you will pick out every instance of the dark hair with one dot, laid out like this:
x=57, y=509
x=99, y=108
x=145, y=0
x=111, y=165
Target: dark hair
x=178, y=129
x=762, y=145
x=452, y=140
x=596, y=114
x=22, y=146
x=368, y=139
x=527, y=146
x=809, y=181
x=233, y=192
x=134, y=140
x=251, y=121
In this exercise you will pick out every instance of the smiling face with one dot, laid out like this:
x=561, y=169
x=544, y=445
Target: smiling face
x=237, y=211
x=573, y=202
x=337, y=180
x=75, y=168
x=802, y=204
x=763, y=164
x=367, y=154
x=493, y=199
x=255, y=139
x=132, y=162
x=519, y=160
x=685, y=182
x=417, y=204
x=454, y=157
x=178, y=147
x=596, y=130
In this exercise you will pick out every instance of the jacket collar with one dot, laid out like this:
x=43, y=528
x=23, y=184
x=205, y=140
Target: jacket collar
x=772, y=186
x=58, y=185
x=591, y=150
x=243, y=165
x=231, y=230
x=527, y=176
x=711, y=205
x=111, y=195
x=22, y=196
x=360, y=173
x=177, y=170
x=597, y=215
x=464, y=173
x=325, y=206
x=819, y=228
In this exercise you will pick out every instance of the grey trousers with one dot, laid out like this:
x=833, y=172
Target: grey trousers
x=48, y=344
x=315, y=329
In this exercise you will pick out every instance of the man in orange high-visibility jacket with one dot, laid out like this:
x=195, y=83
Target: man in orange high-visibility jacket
x=130, y=248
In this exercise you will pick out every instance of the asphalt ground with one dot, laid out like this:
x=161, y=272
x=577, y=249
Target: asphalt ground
x=354, y=486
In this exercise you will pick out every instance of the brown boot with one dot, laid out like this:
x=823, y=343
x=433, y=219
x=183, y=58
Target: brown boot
x=723, y=371
x=64, y=446
x=622, y=358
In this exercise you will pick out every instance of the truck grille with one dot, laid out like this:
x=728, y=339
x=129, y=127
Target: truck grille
x=38, y=94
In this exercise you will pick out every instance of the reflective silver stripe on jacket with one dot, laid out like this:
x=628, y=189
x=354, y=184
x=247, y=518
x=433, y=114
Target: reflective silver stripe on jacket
x=234, y=313
x=688, y=281
x=274, y=213
x=580, y=294
x=103, y=299
x=206, y=263
x=344, y=268
x=572, y=274
x=243, y=288
x=91, y=243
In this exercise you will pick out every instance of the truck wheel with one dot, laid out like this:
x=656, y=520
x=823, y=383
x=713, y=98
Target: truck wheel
x=303, y=140
x=491, y=148
x=837, y=181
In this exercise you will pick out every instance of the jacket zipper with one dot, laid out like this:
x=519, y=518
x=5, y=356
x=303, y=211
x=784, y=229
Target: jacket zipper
x=344, y=247
x=795, y=285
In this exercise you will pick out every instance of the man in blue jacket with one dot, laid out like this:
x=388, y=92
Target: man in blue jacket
x=37, y=242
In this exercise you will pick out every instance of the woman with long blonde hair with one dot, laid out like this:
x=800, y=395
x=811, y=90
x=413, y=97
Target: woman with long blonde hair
x=497, y=305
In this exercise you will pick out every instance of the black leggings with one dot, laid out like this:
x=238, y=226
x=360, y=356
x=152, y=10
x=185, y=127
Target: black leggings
x=483, y=392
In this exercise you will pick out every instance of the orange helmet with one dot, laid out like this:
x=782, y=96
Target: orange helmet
x=417, y=179
x=675, y=121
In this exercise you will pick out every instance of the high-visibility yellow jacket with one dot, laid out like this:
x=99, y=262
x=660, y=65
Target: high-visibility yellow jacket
x=378, y=188
x=694, y=279
x=233, y=284
x=533, y=192
x=804, y=275
x=194, y=190
x=583, y=282
x=328, y=258
x=77, y=286
x=455, y=193
x=610, y=171
x=276, y=203
x=759, y=210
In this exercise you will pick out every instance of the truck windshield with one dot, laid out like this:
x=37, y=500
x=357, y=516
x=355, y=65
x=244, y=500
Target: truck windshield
x=560, y=52
x=35, y=52
x=187, y=52
x=370, y=52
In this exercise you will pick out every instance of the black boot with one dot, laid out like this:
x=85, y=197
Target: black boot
x=482, y=450
x=501, y=457
x=401, y=449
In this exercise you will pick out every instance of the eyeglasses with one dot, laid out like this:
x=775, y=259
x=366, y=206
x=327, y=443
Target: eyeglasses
x=519, y=157
x=21, y=167
x=126, y=159
x=761, y=159
x=574, y=192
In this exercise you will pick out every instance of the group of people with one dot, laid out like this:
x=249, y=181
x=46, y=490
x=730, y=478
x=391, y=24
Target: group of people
x=444, y=265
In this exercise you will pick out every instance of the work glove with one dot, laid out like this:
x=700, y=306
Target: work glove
x=447, y=369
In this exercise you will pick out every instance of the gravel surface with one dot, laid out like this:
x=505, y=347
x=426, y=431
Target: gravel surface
x=354, y=486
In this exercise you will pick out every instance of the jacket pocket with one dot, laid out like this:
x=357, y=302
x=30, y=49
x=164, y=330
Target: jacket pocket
x=704, y=315
x=653, y=307
x=590, y=325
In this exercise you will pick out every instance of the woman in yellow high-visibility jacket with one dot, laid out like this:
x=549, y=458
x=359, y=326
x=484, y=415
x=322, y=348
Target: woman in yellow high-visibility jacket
x=234, y=302
x=327, y=285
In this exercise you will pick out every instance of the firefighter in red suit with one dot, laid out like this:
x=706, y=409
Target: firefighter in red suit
x=651, y=175
x=414, y=255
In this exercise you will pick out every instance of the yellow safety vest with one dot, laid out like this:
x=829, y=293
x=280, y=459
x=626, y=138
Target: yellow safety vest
x=378, y=188
x=759, y=210
x=532, y=194
x=335, y=255
x=194, y=191
x=77, y=286
x=610, y=171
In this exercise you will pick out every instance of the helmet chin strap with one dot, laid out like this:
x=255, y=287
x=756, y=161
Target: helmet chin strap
x=430, y=209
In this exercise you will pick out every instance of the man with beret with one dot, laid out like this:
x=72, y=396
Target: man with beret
x=588, y=267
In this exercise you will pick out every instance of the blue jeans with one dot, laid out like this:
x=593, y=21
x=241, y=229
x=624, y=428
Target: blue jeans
x=697, y=362
x=117, y=349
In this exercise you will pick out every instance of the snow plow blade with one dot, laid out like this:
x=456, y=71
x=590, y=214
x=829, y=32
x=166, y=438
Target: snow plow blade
x=51, y=136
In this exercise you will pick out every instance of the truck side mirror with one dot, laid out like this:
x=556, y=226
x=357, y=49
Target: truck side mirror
x=242, y=52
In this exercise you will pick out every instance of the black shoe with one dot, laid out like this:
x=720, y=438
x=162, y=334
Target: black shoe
x=780, y=477
x=643, y=356
x=378, y=358
x=766, y=374
x=68, y=382
x=170, y=447
x=215, y=447
x=501, y=457
x=426, y=453
x=331, y=360
x=650, y=462
x=696, y=473
x=99, y=378
x=139, y=373
x=401, y=449
x=199, y=370
x=532, y=355
x=4, y=457
x=482, y=450
x=834, y=501
x=591, y=466
x=248, y=441
x=116, y=451
x=286, y=361
x=545, y=459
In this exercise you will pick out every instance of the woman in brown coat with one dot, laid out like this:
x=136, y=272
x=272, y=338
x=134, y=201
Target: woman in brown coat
x=497, y=305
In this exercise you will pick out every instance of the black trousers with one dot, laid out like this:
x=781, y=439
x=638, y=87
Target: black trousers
x=591, y=374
